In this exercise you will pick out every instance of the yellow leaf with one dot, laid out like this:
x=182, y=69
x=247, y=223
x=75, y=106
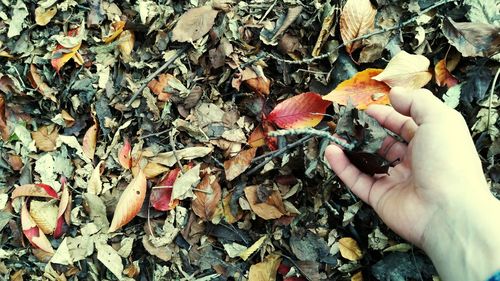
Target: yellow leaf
x=127, y=41
x=193, y=24
x=357, y=19
x=357, y=277
x=36, y=237
x=248, y=252
x=44, y=214
x=116, y=31
x=406, y=70
x=130, y=202
x=43, y=16
x=349, y=249
x=265, y=270
x=90, y=141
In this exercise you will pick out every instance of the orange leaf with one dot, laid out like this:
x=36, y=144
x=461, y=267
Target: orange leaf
x=361, y=89
x=257, y=138
x=36, y=237
x=4, y=129
x=38, y=83
x=272, y=208
x=61, y=55
x=34, y=190
x=124, y=155
x=443, y=75
x=206, y=202
x=117, y=28
x=238, y=164
x=90, y=141
x=301, y=111
x=161, y=196
x=357, y=19
x=64, y=207
x=259, y=85
x=127, y=41
x=130, y=202
x=406, y=70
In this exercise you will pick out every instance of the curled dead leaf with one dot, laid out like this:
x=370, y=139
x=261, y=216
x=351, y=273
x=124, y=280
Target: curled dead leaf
x=443, y=75
x=406, y=70
x=272, y=208
x=34, y=190
x=127, y=41
x=38, y=83
x=130, y=202
x=238, y=164
x=356, y=19
x=207, y=198
x=90, y=141
x=124, y=155
x=161, y=195
x=63, y=213
x=44, y=214
x=349, y=249
x=193, y=24
x=4, y=128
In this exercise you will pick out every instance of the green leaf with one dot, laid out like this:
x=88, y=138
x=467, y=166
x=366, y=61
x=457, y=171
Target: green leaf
x=452, y=97
x=16, y=23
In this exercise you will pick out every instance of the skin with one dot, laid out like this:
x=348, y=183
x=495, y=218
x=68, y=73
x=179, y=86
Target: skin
x=437, y=197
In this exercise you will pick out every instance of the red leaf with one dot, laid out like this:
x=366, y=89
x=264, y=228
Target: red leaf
x=301, y=111
x=124, y=155
x=36, y=190
x=161, y=196
x=64, y=207
x=272, y=142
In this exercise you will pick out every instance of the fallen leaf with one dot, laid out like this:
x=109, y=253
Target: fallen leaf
x=361, y=90
x=124, y=155
x=34, y=190
x=46, y=138
x=43, y=16
x=161, y=195
x=117, y=29
x=127, y=41
x=257, y=138
x=207, y=198
x=273, y=208
x=301, y=111
x=4, y=128
x=170, y=158
x=36, y=237
x=443, y=75
x=110, y=258
x=238, y=164
x=357, y=19
x=94, y=184
x=357, y=277
x=61, y=54
x=349, y=249
x=63, y=213
x=406, y=70
x=152, y=170
x=183, y=186
x=255, y=246
x=193, y=24
x=90, y=141
x=265, y=270
x=44, y=214
x=38, y=83
x=473, y=39
x=130, y=202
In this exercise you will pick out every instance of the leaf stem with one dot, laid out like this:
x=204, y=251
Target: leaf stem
x=313, y=132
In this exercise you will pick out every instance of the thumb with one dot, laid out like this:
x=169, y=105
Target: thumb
x=419, y=104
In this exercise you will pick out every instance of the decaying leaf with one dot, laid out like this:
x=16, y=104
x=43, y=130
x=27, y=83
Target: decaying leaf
x=4, y=129
x=361, y=90
x=349, y=249
x=406, y=70
x=193, y=24
x=38, y=83
x=207, y=198
x=272, y=208
x=443, y=75
x=36, y=237
x=43, y=16
x=46, y=138
x=265, y=270
x=238, y=164
x=34, y=190
x=357, y=19
x=130, y=202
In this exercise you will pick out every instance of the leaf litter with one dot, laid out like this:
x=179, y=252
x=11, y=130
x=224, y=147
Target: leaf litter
x=184, y=140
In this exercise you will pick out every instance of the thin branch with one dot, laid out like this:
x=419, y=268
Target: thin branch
x=312, y=132
x=172, y=144
x=376, y=32
x=177, y=54
x=491, y=98
x=154, y=134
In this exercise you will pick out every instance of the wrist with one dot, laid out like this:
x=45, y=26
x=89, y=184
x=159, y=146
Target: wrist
x=463, y=240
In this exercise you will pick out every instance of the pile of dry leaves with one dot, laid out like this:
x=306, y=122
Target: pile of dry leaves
x=184, y=140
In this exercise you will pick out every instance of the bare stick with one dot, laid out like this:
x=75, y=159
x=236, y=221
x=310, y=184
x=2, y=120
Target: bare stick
x=313, y=132
x=379, y=31
x=177, y=54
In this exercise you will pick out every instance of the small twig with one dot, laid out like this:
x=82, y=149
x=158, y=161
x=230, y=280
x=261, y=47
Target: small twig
x=154, y=134
x=491, y=98
x=177, y=54
x=202, y=191
x=313, y=132
x=172, y=144
x=376, y=32
x=162, y=187
x=268, y=11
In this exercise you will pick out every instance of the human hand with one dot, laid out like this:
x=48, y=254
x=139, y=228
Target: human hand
x=438, y=189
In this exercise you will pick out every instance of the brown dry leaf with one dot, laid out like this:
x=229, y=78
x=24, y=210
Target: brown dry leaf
x=90, y=141
x=443, y=75
x=349, y=249
x=44, y=214
x=45, y=138
x=193, y=24
x=226, y=210
x=4, y=129
x=238, y=164
x=68, y=119
x=265, y=270
x=38, y=83
x=273, y=208
x=357, y=277
x=406, y=70
x=152, y=170
x=130, y=202
x=207, y=198
x=357, y=19
x=94, y=185
x=43, y=16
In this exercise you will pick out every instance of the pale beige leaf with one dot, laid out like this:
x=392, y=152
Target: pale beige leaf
x=90, y=141
x=43, y=16
x=152, y=170
x=94, y=185
x=207, y=198
x=357, y=19
x=265, y=270
x=44, y=214
x=110, y=258
x=130, y=202
x=406, y=70
x=349, y=249
x=273, y=208
x=183, y=186
x=248, y=252
x=127, y=41
x=168, y=158
x=193, y=24
x=238, y=164
x=36, y=237
x=45, y=138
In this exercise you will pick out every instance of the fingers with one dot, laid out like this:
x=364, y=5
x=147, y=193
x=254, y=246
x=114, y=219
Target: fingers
x=392, y=149
x=420, y=104
x=360, y=183
x=396, y=122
